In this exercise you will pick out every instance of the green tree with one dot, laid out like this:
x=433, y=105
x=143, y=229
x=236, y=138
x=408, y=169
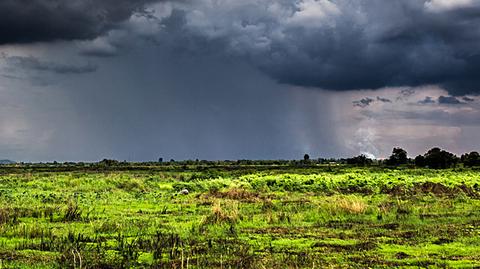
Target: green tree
x=440, y=159
x=361, y=160
x=470, y=159
x=398, y=157
x=420, y=161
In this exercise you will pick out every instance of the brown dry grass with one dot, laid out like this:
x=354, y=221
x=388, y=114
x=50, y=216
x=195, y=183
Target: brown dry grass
x=351, y=205
x=226, y=212
x=235, y=193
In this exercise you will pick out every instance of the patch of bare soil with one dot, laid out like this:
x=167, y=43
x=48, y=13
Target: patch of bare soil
x=236, y=194
x=437, y=189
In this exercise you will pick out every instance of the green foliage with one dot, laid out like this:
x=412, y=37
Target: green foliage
x=437, y=158
x=471, y=159
x=398, y=157
x=240, y=217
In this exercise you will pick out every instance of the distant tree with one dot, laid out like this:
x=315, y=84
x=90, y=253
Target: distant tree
x=107, y=162
x=306, y=157
x=420, y=161
x=398, y=157
x=470, y=159
x=361, y=160
x=160, y=160
x=440, y=159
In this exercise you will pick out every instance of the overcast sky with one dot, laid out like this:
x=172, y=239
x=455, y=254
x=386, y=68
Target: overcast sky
x=83, y=80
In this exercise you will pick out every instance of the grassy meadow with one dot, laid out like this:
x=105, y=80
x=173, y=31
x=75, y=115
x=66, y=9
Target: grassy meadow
x=239, y=217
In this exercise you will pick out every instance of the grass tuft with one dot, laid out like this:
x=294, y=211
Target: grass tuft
x=226, y=212
x=351, y=205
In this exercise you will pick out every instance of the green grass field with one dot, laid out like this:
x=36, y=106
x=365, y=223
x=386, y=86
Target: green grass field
x=240, y=217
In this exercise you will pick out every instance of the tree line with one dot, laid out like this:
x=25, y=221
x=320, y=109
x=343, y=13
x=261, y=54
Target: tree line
x=435, y=158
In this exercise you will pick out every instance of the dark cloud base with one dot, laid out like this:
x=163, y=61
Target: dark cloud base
x=368, y=44
x=27, y=21
x=32, y=63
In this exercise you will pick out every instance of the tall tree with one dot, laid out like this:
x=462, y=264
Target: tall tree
x=440, y=159
x=470, y=159
x=398, y=157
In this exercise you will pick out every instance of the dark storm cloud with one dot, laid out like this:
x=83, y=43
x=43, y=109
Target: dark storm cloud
x=363, y=102
x=102, y=52
x=449, y=100
x=33, y=63
x=99, y=53
x=26, y=21
x=383, y=100
x=336, y=45
x=405, y=93
x=426, y=101
x=344, y=44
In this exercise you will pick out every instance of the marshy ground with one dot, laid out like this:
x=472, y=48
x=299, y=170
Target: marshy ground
x=239, y=217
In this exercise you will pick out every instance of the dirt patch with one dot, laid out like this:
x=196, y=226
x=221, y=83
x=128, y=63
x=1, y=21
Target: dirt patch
x=289, y=232
x=236, y=194
x=391, y=226
x=439, y=215
x=437, y=189
x=402, y=255
x=395, y=190
x=409, y=234
x=441, y=241
x=469, y=191
x=335, y=224
x=9, y=255
x=370, y=261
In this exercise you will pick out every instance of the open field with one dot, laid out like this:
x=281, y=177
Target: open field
x=240, y=217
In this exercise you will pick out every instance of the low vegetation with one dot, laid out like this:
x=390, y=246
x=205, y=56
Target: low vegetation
x=239, y=216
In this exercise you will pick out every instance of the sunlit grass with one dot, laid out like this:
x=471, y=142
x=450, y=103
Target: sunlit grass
x=295, y=218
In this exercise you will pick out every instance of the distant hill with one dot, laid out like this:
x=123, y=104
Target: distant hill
x=6, y=162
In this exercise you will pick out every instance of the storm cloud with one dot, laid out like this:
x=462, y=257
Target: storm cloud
x=383, y=100
x=27, y=21
x=33, y=63
x=328, y=44
x=449, y=100
x=229, y=79
x=339, y=44
x=364, y=102
x=427, y=100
